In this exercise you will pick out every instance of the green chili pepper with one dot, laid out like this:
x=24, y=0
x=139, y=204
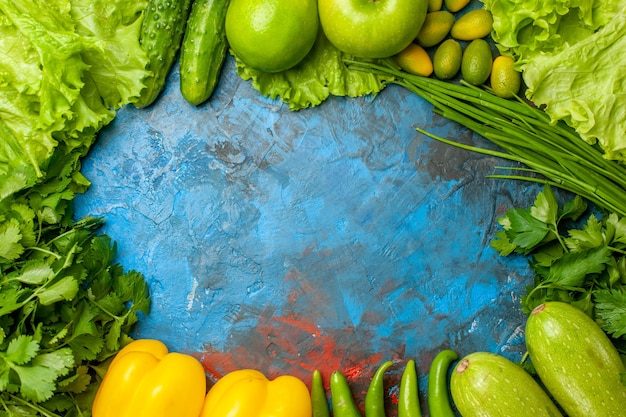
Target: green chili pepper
x=319, y=402
x=341, y=397
x=438, y=399
x=375, y=397
x=408, y=397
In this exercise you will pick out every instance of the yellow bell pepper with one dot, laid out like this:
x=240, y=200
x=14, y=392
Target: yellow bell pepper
x=145, y=380
x=248, y=393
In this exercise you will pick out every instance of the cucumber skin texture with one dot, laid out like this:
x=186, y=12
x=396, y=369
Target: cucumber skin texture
x=162, y=32
x=485, y=384
x=576, y=361
x=204, y=50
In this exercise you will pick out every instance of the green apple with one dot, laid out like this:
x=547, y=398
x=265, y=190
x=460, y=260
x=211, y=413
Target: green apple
x=371, y=28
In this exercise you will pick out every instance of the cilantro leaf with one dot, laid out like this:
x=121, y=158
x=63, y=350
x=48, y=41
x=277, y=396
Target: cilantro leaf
x=35, y=271
x=133, y=290
x=10, y=297
x=100, y=254
x=83, y=322
x=77, y=382
x=38, y=379
x=87, y=347
x=10, y=240
x=64, y=289
x=611, y=309
x=111, y=339
x=37, y=373
x=111, y=304
x=21, y=350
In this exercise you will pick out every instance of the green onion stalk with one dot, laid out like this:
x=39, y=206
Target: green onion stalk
x=548, y=152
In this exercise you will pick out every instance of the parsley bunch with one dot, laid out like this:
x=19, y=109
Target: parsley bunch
x=577, y=257
x=65, y=305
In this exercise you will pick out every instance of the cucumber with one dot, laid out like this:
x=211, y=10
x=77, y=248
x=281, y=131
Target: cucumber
x=485, y=384
x=204, y=50
x=576, y=361
x=161, y=35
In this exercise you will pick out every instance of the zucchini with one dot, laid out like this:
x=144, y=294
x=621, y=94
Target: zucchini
x=485, y=384
x=161, y=35
x=576, y=361
x=204, y=50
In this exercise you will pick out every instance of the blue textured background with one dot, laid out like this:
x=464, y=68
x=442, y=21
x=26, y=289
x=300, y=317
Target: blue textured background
x=335, y=237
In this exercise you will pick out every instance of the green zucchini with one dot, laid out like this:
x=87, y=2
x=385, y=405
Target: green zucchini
x=161, y=35
x=485, y=384
x=204, y=50
x=576, y=361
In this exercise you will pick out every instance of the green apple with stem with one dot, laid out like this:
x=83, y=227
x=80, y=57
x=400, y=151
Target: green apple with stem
x=371, y=28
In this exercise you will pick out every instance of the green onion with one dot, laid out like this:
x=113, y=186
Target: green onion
x=551, y=153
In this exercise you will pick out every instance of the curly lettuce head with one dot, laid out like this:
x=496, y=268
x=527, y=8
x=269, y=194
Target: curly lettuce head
x=65, y=67
x=527, y=28
x=572, y=55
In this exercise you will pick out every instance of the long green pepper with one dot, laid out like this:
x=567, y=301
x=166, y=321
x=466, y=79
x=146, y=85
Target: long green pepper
x=438, y=398
x=408, y=397
x=319, y=402
x=341, y=397
x=375, y=396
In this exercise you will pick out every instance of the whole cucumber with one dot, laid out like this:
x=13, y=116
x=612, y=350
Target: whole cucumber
x=485, y=384
x=576, y=361
x=161, y=35
x=204, y=50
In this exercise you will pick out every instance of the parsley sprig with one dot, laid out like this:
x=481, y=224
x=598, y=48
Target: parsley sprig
x=577, y=256
x=66, y=306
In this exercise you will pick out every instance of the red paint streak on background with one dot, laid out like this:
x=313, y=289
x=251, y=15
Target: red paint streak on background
x=291, y=345
x=301, y=349
x=295, y=343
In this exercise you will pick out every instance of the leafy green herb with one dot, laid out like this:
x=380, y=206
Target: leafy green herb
x=579, y=260
x=65, y=305
x=611, y=310
x=34, y=374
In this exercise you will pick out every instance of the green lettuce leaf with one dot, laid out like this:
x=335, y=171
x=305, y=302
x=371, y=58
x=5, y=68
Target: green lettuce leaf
x=573, y=59
x=584, y=86
x=65, y=67
x=527, y=28
x=321, y=74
